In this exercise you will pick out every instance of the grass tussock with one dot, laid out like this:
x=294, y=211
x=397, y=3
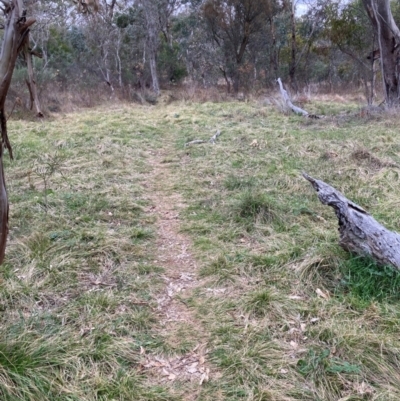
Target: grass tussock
x=255, y=207
x=281, y=312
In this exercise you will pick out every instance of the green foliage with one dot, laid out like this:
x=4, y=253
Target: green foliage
x=170, y=62
x=132, y=16
x=246, y=51
x=259, y=302
x=220, y=267
x=141, y=233
x=77, y=39
x=59, y=48
x=348, y=27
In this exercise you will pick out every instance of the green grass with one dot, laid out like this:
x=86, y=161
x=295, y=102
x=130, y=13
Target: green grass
x=362, y=278
x=281, y=311
x=78, y=291
x=263, y=237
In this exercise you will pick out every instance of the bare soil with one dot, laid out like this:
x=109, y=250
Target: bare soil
x=175, y=255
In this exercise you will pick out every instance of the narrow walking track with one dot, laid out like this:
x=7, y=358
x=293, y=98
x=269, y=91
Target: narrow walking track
x=174, y=255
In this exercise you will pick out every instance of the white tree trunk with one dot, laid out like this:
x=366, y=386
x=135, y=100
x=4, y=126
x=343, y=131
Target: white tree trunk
x=16, y=29
x=388, y=35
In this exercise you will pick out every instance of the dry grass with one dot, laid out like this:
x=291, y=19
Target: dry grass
x=281, y=311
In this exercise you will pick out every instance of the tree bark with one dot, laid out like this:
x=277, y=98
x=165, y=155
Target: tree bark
x=228, y=83
x=292, y=68
x=359, y=232
x=152, y=42
x=16, y=29
x=274, y=53
x=388, y=35
x=31, y=82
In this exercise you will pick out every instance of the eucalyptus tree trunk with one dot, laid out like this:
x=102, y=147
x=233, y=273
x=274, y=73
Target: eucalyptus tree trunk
x=31, y=82
x=293, y=52
x=274, y=52
x=152, y=41
x=16, y=30
x=388, y=35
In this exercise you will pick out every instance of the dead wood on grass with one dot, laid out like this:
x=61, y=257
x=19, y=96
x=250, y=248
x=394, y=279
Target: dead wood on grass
x=289, y=103
x=212, y=140
x=359, y=232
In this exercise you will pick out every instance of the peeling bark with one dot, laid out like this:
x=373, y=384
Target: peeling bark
x=359, y=232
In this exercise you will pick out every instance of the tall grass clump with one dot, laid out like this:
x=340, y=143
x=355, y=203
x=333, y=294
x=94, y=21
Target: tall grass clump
x=255, y=208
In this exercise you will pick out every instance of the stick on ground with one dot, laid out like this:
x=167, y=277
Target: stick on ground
x=214, y=137
x=212, y=140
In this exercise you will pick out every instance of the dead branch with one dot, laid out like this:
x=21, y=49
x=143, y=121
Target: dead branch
x=214, y=137
x=212, y=140
x=359, y=232
x=289, y=103
x=195, y=142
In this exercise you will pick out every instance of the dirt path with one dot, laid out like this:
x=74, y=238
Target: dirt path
x=174, y=255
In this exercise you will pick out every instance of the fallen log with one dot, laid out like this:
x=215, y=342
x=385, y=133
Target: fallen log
x=359, y=232
x=289, y=103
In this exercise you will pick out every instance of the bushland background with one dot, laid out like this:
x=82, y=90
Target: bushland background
x=129, y=50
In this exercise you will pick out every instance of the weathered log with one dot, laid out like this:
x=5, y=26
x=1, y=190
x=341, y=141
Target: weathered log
x=289, y=103
x=359, y=232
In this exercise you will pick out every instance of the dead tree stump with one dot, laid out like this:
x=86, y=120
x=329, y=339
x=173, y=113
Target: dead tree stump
x=359, y=232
